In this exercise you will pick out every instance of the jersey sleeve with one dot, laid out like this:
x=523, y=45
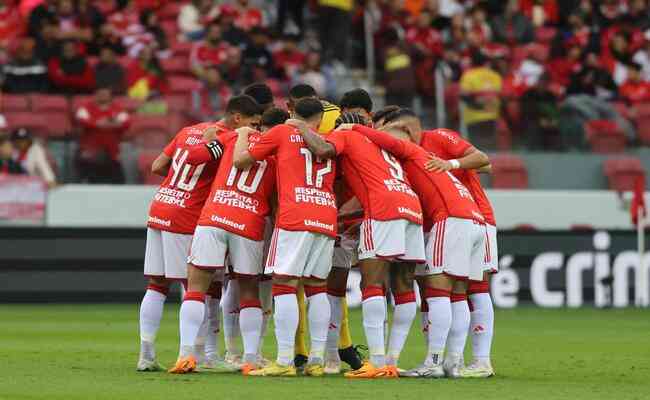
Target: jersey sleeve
x=169, y=149
x=455, y=147
x=205, y=152
x=387, y=142
x=267, y=145
x=337, y=139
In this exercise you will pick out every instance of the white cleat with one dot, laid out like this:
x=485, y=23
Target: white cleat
x=478, y=370
x=332, y=367
x=145, y=365
x=425, y=371
x=234, y=360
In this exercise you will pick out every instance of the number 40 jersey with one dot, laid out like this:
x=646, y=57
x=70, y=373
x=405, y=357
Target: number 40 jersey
x=177, y=204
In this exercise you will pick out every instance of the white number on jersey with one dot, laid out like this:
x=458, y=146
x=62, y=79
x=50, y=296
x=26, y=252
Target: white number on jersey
x=395, y=168
x=182, y=178
x=260, y=167
x=309, y=169
x=462, y=190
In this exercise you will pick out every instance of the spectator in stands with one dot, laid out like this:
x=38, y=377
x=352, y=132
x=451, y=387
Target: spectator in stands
x=642, y=56
x=109, y=72
x=289, y=58
x=232, y=70
x=257, y=54
x=540, y=12
x=70, y=26
x=3, y=125
x=48, y=45
x=334, y=21
x=211, y=99
x=11, y=25
x=145, y=77
x=313, y=75
x=399, y=73
x=635, y=89
x=8, y=165
x=210, y=52
x=638, y=15
x=539, y=105
x=103, y=122
x=480, y=87
x=25, y=73
x=512, y=27
x=70, y=73
x=296, y=9
x=126, y=19
x=232, y=34
x=32, y=156
x=41, y=15
x=245, y=16
x=617, y=55
x=192, y=17
x=149, y=21
x=427, y=48
x=592, y=80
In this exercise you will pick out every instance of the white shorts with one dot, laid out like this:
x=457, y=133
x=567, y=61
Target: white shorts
x=456, y=247
x=166, y=254
x=492, y=251
x=345, y=254
x=211, y=246
x=398, y=240
x=300, y=254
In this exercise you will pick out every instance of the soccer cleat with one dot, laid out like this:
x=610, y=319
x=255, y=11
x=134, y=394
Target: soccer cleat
x=233, y=359
x=184, y=365
x=391, y=371
x=275, y=369
x=425, y=371
x=453, y=369
x=300, y=360
x=369, y=371
x=314, y=370
x=263, y=362
x=352, y=356
x=145, y=365
x=478, y=370
x=332, y=367
x=219, y=365
x=247, y=368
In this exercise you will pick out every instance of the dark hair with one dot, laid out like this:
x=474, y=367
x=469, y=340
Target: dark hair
x=634, y=65
x=399, y=114
x=302, y=90
x=350, y=118
x=478, y=58
x=274, y=116
x=356, y=98
x=260, y=92
x=144, y=16
x=307, y=108
x=243, y=104
x=382, y=113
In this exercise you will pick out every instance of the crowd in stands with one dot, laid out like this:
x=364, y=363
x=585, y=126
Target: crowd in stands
x=517, y=73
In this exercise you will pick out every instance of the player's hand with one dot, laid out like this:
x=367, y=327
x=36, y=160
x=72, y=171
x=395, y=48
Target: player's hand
x=345, y=127
x=296, y=123
x=244, y=130
x=436, y=164
x=210, y=133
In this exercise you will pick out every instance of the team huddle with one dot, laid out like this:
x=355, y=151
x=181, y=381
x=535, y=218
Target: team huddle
x=264, y=213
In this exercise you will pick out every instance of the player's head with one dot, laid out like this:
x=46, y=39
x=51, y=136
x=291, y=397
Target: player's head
x=379, y=116
x=357, y=101
x=309, y=110
x=272, y=117
x=350, y=118
x=407, y=117
x=262, y=94
x=241, y=111
x=299, y=92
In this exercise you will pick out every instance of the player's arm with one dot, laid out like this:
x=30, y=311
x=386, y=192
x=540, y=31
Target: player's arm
x=384, y=140
x=473, y=158
x=351, y=209
x=486, y=169
x=316, y=144
x=242, y=158
x=160, y=165
x=205, y=152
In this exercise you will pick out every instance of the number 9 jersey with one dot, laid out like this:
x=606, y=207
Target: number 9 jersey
x=177, y=204
x=305, y=184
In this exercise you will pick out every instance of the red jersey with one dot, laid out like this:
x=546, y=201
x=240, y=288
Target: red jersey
x=448, y=144
x=376, y=178
x=239, y=201
x=177, y=205
x=635, y=92
x=203, y=55
x=103, y=128
x=305, y=184
x=442, y=194
x=244, y=18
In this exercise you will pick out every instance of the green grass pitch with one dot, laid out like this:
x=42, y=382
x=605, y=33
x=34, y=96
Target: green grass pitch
x=72, y=352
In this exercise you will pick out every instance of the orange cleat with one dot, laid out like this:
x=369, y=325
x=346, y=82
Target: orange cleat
x=390, y=371
x=247, y=368
x=367, y=371
x=184, y=365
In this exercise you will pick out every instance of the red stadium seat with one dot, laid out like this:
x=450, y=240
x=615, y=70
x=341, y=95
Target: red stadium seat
x=504, y=136
x=130, y=104
x=605, y=136
x=622, y=172
x=643, y=129
x=145, y=159
x=177, y=66
x=10, y=103
x=50, y=103
x=170, y=11
x=178, y=103
x=142, y=124
x=182, y=84
x=151, y=140
x=182, y=49
x=49, y=124
x=508, y=172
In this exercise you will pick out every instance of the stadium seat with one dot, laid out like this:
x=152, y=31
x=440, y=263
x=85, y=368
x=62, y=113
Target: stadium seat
x=181, y=49
x=621, y=172
x=170, y=11
x=151, y=140
x=10, y=103
x=49, y=103
x=177, y=66
x=509, y=172
x=130, y=104
x=141, y=124
x=182, y=84
x=605, y=136
x=145, y=159
x=48, y=125
x=178, y=103
x=504, y=135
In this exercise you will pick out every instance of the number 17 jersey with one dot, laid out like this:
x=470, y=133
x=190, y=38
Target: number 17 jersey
x=177, y=204
x=305, y=184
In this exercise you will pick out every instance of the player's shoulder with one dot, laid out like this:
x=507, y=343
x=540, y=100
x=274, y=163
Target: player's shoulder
x=442, y=135
x=329, y=107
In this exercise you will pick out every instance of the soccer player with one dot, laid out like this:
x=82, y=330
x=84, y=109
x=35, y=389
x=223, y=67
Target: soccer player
x=458, y=156
x=172, y=218
x=303, y=241
x=455, y=246
x=391, y=231
x=240, y=111
x=262, y=94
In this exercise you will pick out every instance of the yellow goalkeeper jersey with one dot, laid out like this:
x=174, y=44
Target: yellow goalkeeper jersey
x=330, y=113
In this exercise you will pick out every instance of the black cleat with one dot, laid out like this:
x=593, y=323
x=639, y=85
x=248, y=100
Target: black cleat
x=299, y=361
x=352, y=356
